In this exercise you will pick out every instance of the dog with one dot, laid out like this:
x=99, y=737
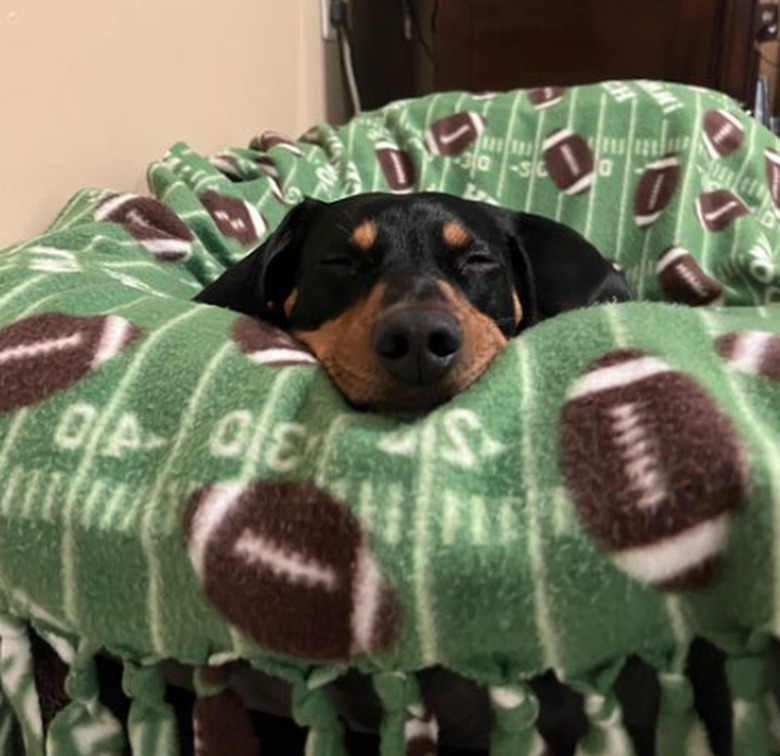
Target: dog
x=407, y=299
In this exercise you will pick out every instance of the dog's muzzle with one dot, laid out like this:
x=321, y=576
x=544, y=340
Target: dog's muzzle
x=418, y=345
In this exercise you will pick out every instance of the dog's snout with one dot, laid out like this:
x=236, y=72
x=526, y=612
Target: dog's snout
x=418, y=345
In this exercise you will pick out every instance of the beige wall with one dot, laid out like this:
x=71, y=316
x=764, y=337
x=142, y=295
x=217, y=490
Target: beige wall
x=92, y=90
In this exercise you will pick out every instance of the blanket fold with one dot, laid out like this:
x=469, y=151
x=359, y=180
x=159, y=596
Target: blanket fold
x=608, y=488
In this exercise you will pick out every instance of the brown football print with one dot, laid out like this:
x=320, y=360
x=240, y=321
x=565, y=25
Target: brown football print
x=545, y=97
x=454, y=134
x=267, y=165
x=158, y=229
x=752, y=352
x=723, y=133
x=268, y=140
x=312, y=136
x=397, y=167
x=267, y=345
x=44, y=354
x=655, y=469
x=683, y=281
x=656, y=189
x=234, y=217
x=569, y=161
x=772, y=163
x=281, y=560
x=718, y=209
x=228, y=166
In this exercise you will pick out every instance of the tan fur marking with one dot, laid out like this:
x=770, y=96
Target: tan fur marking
x=364, y=236
x=482, y=343
x=343, y=346
x=289, y=303
x=518, y=308
x=455, y=235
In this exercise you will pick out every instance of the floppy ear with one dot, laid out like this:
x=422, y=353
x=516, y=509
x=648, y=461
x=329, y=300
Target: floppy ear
x=259, y=283
x=565, y=270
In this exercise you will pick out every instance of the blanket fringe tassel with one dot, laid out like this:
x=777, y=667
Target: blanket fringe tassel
x=515, y=713
x=408, y=726
x=18, y=683
x=151, y=723
x=606, y=735
x=85, y=726
x=313, y=709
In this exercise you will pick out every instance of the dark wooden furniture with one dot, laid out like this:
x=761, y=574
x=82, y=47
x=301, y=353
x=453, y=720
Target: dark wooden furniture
x=504, y=44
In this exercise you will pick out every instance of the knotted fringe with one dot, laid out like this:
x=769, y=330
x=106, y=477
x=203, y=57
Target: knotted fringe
x=773, y=713
x=151, y=724
x=7, y=723
x=85, y=726
x=679, y=729
x=313, y=709
x=515, y=712
x=18, y=683
x=220, y=719
x=606, y=735
x=408, y=727
x=749, y=682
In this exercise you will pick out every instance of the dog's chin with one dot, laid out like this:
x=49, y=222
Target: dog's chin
x=399, y=400
x=407, y=407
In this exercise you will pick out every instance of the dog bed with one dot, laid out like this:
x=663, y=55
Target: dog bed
x=182, y=483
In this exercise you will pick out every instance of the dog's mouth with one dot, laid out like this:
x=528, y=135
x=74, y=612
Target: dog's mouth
x=376, y=391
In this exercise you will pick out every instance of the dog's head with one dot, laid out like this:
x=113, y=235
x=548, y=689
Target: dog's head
x=407, y=300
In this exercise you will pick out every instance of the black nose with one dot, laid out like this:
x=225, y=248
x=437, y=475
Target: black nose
x=418, y=345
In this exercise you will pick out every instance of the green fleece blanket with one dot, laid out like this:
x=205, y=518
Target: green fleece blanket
x=181, y=482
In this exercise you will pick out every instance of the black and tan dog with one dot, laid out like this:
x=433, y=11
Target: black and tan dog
x=406, y=300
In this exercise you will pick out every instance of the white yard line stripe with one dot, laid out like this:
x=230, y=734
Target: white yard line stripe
x=252, y=456
x=336, y=427
x=10, y=437
x=10, y=485
x=70, y=586
x=154, y=599
x=546, y=632
x=428, y=158
x=21, y=288
x=596, y=154
x=535, y=160
x=690, y=170
x=510, y=130
x=185, y=427
x=426, y=621
x=112, y=507
x=50, y=500
x=33, y=485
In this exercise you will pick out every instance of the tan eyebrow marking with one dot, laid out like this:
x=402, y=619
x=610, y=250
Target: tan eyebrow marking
x=289, y=303
x=518, y=308
x=364, y=236
x=455, y=235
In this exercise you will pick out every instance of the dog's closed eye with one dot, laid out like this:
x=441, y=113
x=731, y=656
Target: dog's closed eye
x=477, y=262
x=338, y=263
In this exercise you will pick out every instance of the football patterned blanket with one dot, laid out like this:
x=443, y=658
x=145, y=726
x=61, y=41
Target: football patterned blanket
x=179, y=482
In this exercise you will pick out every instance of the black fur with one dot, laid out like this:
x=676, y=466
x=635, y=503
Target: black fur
x=550, y=267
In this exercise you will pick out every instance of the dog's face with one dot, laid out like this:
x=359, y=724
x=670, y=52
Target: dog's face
x=405, y=300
